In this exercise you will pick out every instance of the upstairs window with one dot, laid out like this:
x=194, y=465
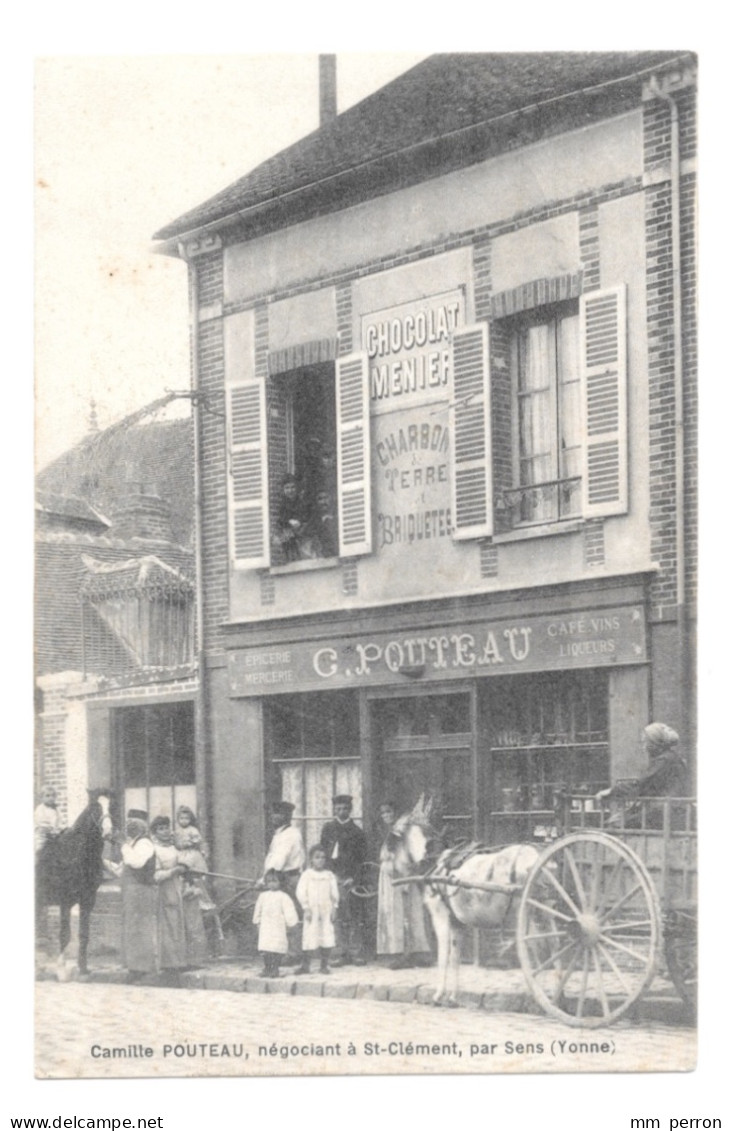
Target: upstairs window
x=559, y=380
x=299, y=465
x=302, y=435
x=547, y=413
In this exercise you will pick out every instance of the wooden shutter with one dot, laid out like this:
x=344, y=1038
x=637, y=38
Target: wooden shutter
x=248, y=479
x=603, y=317
x=354, y=455
x=471, y=439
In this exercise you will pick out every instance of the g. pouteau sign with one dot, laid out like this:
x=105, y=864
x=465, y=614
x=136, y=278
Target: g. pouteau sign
x=598, y=638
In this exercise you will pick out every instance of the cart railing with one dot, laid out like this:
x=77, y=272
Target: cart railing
x=661, y=830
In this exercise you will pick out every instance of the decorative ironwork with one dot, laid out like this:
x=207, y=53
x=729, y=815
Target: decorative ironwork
x=552, y=501
x=137, y=616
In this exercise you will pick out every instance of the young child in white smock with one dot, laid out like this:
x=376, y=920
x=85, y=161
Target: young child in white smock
x=317, y=894
x=274, y=912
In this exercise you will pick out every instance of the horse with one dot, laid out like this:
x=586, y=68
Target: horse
x=467, y=886
x=69, y=870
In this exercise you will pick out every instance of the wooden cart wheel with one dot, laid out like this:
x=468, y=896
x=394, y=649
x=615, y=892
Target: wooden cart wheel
x=588, y=930
x=681, y=954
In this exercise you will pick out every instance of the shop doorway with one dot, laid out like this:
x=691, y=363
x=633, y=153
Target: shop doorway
x=425, y=744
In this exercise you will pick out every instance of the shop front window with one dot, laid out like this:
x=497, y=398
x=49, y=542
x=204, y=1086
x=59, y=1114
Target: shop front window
x=313, y=752
x=154, y=756
x=549, y=737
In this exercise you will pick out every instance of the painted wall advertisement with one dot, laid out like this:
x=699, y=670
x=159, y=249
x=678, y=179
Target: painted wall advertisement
x=409, y=351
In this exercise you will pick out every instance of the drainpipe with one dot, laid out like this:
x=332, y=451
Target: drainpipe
x=201, y=761
x=662, y=89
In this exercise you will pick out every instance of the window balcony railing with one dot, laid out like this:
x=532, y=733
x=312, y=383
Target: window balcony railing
x=555, y=500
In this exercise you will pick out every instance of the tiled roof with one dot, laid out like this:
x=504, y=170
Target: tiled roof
x=448, y=112
x=104, y=467
x=59, y=576
x=70, y=510
x=132, y=574
x=97, y=473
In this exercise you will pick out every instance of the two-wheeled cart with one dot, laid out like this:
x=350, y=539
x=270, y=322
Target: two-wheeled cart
x=604, y=902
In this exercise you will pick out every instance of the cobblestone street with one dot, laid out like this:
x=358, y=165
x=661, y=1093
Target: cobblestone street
x=218, y=1033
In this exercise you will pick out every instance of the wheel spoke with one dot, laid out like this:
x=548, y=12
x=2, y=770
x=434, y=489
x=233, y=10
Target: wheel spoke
x=615, y=969
x=563, y=893
x=544, y=935
x=596, y=874
x=582, y=996
x=608, y=886
x=569, y=856
x=551, y=960
x=625, y=949
x=629, y=924
x=567, y=972
x=600, y=980
x=550, y=910
x=622, y=899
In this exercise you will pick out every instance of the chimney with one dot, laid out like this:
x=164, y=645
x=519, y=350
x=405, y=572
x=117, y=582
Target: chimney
x=141, y=513
x=328, y=90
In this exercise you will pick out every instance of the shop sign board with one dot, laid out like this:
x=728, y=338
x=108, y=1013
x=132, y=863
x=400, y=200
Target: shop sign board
x=586, y=639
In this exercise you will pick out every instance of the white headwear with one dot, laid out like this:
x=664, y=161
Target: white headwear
x=660, y=737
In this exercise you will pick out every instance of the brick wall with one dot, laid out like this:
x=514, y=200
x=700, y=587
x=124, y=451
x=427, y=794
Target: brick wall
x=470, y=238
x=589, y=246
x=660, y=364
x=210, y=280
x=661, y=353
x=52, y=760
x=344, y=314
x=214, y=524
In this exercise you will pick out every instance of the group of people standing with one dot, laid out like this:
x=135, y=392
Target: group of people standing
x=310, y=905
x=324, y=897
x=167, y=911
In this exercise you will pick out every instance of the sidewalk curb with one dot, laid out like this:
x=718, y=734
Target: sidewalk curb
x=660, y=1008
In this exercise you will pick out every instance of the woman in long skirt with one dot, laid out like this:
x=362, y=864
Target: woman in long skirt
x=400, y=925
x=139, y=898
x=170, y=917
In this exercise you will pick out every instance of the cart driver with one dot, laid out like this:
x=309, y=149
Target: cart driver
x=666, y=775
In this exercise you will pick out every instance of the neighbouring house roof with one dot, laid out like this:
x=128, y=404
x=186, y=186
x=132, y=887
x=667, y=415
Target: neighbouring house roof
x=60, y=576
x=91, y=479
x=68, y=512
x=448, y=112
x=144, y=574
x=103, y=467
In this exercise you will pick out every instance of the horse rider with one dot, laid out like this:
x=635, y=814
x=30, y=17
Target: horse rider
x=46, y=819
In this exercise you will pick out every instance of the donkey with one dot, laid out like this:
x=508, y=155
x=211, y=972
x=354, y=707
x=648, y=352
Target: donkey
x=464, y=887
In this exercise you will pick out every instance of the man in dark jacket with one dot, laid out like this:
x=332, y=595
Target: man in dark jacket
x=345, y=848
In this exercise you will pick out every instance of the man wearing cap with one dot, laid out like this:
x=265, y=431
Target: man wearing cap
x=346, y=848
x=287, y=857
x=286, y=853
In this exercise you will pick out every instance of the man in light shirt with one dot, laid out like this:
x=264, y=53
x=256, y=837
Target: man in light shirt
x=287, y=856
x=46, y=820
x=286, y=853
